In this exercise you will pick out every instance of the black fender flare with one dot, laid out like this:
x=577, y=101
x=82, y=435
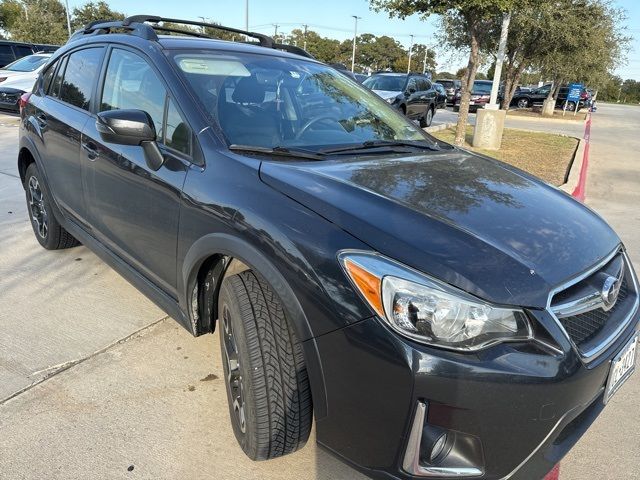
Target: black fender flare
x=234, y=247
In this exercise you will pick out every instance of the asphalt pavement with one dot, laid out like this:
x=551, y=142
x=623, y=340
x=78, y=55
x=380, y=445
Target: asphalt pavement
x=95, y=382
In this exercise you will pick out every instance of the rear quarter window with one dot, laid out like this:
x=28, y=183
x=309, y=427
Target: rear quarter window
x=80, y=77
x=6, y=55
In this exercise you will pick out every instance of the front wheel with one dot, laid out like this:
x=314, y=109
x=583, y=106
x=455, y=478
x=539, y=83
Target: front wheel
x=48, y=231
x=266, y=378
x=523, y=103
x=571, y=106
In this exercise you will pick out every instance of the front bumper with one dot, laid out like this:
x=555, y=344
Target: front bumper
x=525, y=404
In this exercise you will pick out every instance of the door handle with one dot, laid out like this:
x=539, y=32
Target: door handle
x=91, y=149
x=41, y=118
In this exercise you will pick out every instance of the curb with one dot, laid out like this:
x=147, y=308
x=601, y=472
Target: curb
x=437, y=128
x=573, y=176
x=548, y=120
x=580, y=192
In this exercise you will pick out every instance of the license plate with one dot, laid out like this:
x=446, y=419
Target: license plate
x=622, y=367
x=472, y=102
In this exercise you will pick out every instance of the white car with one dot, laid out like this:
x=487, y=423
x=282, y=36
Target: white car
x=19, y=77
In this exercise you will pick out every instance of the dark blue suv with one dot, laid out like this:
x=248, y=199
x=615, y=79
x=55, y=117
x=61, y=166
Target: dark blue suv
x=440, y=314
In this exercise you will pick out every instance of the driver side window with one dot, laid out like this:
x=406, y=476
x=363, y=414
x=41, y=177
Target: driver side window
x=130, y=83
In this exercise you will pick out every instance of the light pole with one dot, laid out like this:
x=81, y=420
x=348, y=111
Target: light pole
x=355, y=34
x=246, y=15
x=305, y=36
x=410, y=52
x=66, y=2
x=493, y=99
x=424, y=62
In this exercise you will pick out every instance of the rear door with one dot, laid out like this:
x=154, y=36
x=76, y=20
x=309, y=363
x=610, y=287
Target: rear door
x=61, y=114
x=133, y=209
x=414, y=104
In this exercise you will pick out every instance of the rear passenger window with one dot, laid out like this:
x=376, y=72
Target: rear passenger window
x=22, y=50
x=80, y=77
x=6, y=55
x=54, y=90
x=130, y=83
x=178, y=134
x=47, y=77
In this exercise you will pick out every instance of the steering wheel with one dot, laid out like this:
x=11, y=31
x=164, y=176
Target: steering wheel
x=313, y=121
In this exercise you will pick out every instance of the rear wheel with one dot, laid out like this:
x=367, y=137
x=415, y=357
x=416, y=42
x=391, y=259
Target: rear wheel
x=48, y=231
x=571, y=106
x=523, y=103
x=427, y=118
x=266, y=379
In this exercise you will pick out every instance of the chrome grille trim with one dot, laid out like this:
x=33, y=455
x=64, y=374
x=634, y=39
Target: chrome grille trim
x=594, y=353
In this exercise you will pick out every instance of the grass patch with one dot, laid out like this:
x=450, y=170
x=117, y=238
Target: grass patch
x=557, y=114
x=544, y=155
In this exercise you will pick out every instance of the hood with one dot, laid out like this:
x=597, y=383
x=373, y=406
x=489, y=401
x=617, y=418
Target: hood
x=385, y=94
x=473, y=222
x=25, y=81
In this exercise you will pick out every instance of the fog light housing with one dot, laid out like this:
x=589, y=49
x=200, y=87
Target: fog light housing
x=433, y=451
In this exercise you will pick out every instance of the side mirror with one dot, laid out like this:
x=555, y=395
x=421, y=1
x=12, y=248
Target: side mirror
x=131, y=127
x=411, y=90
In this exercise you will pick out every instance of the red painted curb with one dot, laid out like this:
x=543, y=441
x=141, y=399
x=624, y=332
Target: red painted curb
x=580, y=190
x=553, y=474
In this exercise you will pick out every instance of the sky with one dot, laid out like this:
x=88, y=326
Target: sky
x=334, y=18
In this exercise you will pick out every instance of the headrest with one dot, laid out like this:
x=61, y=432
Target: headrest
x=248, y=90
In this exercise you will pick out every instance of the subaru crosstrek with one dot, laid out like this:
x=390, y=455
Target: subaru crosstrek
x=440, y=314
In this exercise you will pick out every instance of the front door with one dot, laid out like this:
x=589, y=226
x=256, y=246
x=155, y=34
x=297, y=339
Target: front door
x=133, y=209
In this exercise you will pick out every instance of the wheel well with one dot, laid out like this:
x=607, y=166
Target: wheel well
x=403, y=109
x=25, y=158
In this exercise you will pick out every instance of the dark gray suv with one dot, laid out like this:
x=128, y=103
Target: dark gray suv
x=438, y=313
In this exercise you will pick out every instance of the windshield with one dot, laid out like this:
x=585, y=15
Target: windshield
x=270, y=101
x=28, y=63
x=391, y=83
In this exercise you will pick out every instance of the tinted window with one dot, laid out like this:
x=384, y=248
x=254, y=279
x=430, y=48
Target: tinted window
x=6, y=55
x=423, y=84
x=178, y=134
x=22, y=50
x=130, y=83
x=412, y=85
x=481, y=87
x=80, y=77
x=54, y=91
x=48, y=77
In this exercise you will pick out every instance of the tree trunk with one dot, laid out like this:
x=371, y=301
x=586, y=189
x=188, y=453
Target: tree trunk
x=467, y=86
x=511, y=83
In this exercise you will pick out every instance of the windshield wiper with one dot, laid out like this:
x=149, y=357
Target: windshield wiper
x=278, y=150
x=383, y=143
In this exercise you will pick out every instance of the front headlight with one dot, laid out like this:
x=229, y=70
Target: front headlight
x=430, y=311
x=390, y=99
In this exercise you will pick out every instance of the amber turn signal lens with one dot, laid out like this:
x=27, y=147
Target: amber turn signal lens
x=370, y=286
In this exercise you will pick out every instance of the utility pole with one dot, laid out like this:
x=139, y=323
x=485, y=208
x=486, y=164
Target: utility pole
x=355, y=34
x=305, y=36
x=275, y=32
x=410, y=52
x=493, y=100
x=66, y=2
x=204, y=20
x=246, y=15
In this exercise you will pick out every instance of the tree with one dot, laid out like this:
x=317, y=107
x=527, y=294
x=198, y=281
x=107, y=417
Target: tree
x=417, y=60
x=467, y=25
x=322, y=48
x=47, y=23
x=92, y=11
x=10, y=13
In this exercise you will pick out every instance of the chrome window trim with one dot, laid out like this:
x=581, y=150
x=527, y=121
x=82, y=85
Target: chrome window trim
x=597, y=351
x=411, y=462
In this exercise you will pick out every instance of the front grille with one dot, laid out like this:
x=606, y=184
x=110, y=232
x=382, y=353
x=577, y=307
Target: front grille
x=583, y=327
x=579, y=307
